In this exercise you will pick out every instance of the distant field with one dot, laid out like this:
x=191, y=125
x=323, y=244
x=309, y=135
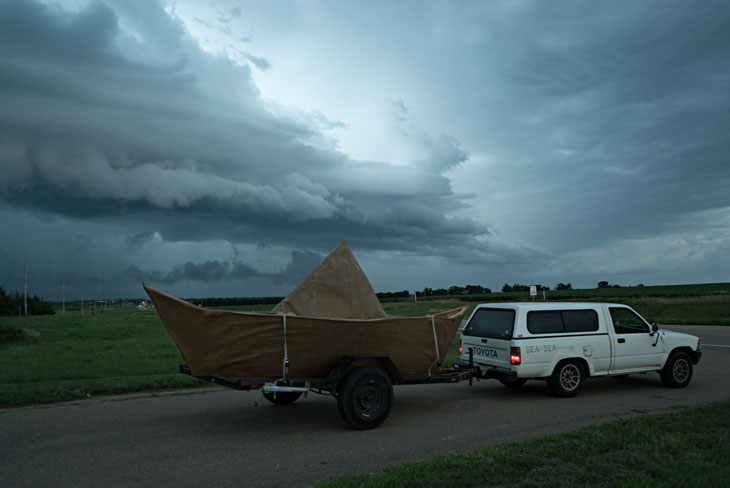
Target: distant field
x=707, y=304
x=119, y=351
x=691, y=310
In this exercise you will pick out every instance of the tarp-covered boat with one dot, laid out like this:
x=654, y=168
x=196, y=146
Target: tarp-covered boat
x=332, y=313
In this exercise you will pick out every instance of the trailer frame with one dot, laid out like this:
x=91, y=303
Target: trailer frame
x=363, y=386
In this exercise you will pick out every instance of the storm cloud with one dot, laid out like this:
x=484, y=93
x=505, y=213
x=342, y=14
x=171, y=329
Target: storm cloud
x=233, y=145
x=109, y=123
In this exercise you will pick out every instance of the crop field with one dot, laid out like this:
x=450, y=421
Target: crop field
x=693, y=310
x=62, y=357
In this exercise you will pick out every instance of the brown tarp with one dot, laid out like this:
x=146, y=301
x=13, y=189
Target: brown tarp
x=334, y=312
x=337, y=288
x=236, y=344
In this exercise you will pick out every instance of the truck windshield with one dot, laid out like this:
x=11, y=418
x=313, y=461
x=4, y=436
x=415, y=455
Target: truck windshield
x=492, y=323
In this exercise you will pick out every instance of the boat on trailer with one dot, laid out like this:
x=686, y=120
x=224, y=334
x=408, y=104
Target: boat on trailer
x=350, y=348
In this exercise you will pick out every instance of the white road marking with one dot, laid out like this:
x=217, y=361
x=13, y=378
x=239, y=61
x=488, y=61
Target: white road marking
x=714, y=345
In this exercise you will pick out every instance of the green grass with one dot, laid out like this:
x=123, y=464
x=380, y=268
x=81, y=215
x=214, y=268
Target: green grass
x=10, y=334
x=684, y=449
x=416, y=309
x=699, y=310
x=76, y=356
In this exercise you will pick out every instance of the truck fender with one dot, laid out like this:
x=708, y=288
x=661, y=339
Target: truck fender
x=685, y=349
x=586, y=366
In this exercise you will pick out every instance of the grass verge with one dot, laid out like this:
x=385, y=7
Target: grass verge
x=18, y=395
x=684, y=449
x=75, y=356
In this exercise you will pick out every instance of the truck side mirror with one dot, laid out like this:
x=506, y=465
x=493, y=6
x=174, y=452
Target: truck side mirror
x=654, y=327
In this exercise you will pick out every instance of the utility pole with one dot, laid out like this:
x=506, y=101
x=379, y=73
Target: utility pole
x=102, y=285
x=25, y=286
x=63, y=298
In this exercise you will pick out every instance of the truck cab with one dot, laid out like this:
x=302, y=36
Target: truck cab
x=565, y=343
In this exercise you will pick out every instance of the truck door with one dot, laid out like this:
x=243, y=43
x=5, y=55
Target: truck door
x=488, y=335
x=633, y=345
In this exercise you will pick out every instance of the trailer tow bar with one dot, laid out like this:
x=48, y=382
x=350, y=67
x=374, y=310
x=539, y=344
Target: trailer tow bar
x=471, y=365
x=271, y=388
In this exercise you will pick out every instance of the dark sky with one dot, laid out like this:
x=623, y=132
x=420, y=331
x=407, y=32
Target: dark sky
x=223, y=148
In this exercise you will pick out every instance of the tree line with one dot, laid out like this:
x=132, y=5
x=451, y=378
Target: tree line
x=12, y=304
x=517, y=287
x=455, y=290
x=437, y=292
x=606, y=284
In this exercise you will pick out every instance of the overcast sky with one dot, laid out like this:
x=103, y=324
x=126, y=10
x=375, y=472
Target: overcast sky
x=223, y=148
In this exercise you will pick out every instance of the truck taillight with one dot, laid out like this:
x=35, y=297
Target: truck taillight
x=460, y=348
x=514, y=355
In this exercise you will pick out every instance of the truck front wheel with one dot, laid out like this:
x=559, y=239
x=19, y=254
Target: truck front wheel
x=364, y=397
x=677, y=372
x=567, y=379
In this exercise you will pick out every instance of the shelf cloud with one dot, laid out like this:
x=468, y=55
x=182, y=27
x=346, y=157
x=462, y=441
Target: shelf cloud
x=186, y=144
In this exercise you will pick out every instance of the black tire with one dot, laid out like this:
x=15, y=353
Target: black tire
x=677, y=372
x=282, y=397
x=514, y=383
x=364, y=397
x=567, y=379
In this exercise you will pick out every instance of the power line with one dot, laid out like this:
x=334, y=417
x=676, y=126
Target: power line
x=25, y=286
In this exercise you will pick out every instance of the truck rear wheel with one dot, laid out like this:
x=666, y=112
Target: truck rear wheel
x=677, y=372
x=282, y=397
x=364, y=397
x=567, y=379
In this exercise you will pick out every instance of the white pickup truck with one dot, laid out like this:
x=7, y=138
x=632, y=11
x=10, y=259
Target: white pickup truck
x=565, y=343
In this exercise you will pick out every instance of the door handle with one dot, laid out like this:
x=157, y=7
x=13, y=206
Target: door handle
x=621, y=341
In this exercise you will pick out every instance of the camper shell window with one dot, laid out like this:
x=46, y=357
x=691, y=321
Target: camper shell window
x=492, y=323
x=560, y=321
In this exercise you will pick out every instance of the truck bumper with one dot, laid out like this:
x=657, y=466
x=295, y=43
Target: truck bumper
x=696, y=356
x=488, y=373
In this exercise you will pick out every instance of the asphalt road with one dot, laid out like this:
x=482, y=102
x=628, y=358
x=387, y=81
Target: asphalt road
x=215, y=437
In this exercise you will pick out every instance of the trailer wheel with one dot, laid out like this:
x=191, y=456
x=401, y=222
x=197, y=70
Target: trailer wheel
x=282, y=397
x=567, y=379
x=514, y=383
x=365, y=397
x=677, y=372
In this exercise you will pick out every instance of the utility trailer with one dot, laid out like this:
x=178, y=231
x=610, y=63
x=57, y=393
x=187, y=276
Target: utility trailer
x=362, y=385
